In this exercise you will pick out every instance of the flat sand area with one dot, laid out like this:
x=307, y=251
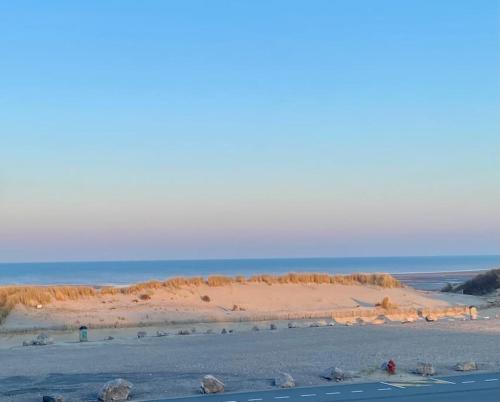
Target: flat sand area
x=234, y=302
x=244, y=360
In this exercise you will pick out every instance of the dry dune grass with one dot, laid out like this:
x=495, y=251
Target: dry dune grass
x=10, y=296
x=386, y=304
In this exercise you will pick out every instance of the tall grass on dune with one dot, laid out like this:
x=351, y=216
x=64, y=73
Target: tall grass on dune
x=10, y=296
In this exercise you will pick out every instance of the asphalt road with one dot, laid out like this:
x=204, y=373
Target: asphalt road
x=464, y=388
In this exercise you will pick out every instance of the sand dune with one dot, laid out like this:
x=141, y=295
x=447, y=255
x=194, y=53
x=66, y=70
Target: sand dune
x=230, y=302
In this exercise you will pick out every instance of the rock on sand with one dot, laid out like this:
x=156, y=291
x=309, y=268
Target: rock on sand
x=211, y=385
x=41, y=340
x=53, y=398
x=284, y=380
x=466, y=366
x=425, y=369
x=337, y=374
x=115, y=390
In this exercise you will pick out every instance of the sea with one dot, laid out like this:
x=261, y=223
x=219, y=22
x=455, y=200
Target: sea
x=427, y=273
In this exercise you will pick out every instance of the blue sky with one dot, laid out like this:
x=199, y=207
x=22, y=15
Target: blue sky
x=196, y=129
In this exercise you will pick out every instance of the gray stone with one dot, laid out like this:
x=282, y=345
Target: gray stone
x=161, y=333
x=41, y=340
x=335, y=373
x=273, y=327
x=466, y=366
x=211, y=385
x=293, y=324
x=142, y=334
x=255, y=328
x=320, y=323
x=425, y=369
x=53, y=398
x=115, y=390
x=284, y=380
x=430, y=318
x=224, y=331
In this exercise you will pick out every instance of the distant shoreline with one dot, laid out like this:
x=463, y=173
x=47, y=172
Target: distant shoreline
x=124, y=273
x=417, y=280
x=407, y=278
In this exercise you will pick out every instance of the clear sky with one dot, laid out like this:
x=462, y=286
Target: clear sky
x=207, y=129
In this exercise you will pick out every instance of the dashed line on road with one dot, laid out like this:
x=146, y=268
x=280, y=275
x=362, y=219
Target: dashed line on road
x=357, y=391
x=255, y=399
x=281, y=397
x=392, y=385
x=439, y=381
x=468, y=382
x=491, y=379
x=306, y=395
x=384, y=389
x=332, y=393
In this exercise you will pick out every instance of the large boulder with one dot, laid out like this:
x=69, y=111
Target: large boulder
x=211, y=385
x=337, y=374
x=466, y=366
x=41, y=340
x=284, y=380
x=115, y=390
x=319, y=323
x=53, y=398
x=425, y=369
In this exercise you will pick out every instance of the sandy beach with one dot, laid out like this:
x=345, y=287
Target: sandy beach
x=233, y=302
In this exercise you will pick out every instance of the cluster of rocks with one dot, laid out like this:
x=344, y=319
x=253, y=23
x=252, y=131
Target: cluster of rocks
x=120, y=389
x=41, y=340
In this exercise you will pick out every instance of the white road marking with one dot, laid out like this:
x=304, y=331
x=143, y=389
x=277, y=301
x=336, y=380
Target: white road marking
x=491, y=379
x=255, y=399
x=384, y=389
x=392, y=385
x=332, y=393
x=439, y=381
x=468, y=382
x=357, y=391
x=281, y=397
x=305, y=395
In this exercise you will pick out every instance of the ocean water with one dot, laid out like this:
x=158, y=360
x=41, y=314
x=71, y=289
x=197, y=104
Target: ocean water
x=126, y=272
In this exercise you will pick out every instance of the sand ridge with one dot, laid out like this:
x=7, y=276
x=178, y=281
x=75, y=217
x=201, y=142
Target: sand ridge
x=231, y=302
